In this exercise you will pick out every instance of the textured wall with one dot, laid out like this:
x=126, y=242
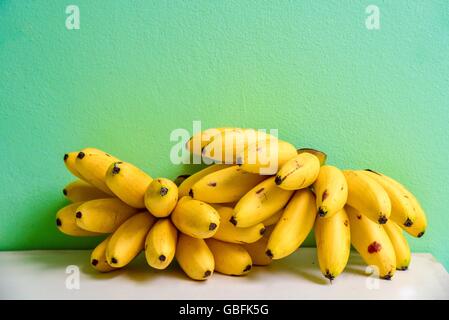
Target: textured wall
x=132, y=73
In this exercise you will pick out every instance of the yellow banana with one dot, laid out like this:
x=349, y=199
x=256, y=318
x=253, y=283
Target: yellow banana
x=186, y=185
x=294, y=226
x=319, y=154
x=273, y=219
x=98, y=257
x=201, y=139
x=402, y=211
x=299, y=172
x=69, y=161
x=266, y=157
x=229, y=144
x=400, y=245
x=331, y=190
x=194, y=257
x=103, y=215
x=195, y=218
x=92, y=164
x=80, y=191
x=229, y=233
x=160, y=244
x=129, y=239
x=230, y=258
x=419, y=226
x=66, y=222
x=257, y=250
x=259, y=203
x=128, y=183
x=226, y=185
x=161, y=197
x=371, y=241
x=367, y=196
x=333, y=243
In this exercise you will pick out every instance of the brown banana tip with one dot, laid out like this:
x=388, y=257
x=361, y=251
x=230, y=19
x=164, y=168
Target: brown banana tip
x=78, y=214
x=278, y=180
x=114, y=260
x=212, y=226
x=262, y=231
x=64, y=192
x=420, y=234
x=191, y=193
x=408, y=223
x=373, y=171
x=321, y=212
x=247, y=268
x=116, y=168
x=94, y=262
x=404, y=268
x=383, y=220
x=233, y=221
x=66, y=156
x=329, y=276
x=163, y=191
x=387, y=276
x=81, y=155
x=162, y=258
x=207, y=273
x=269, y=253
x=58, y=222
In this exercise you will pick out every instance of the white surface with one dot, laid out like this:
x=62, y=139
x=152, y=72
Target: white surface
x=42, y=275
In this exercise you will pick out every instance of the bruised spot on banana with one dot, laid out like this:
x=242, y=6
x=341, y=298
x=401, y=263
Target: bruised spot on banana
x=161, y=197
x=371, y=241
x=128, y=183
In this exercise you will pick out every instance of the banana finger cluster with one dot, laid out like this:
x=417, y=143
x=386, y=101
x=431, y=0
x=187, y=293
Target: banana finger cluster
x=239, y=211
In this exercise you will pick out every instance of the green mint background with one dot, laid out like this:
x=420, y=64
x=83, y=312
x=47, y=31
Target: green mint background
x=135, y=71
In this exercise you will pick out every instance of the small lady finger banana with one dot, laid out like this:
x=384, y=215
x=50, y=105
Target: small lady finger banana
x=129, y=239
x=161, y=197
x=66, y=222
x=103, y=215
x=195, y=218
x=80, y=191
x=128, y=183
x=299, y=172
x=194, y=257
x=92, y=164
x=69, y=161
x=400, y=245
x=229, y=233
x=160, y=244
x=230, y=258
x=98, y=257
x=331, y=190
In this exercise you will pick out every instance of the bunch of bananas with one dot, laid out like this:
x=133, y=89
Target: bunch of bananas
x=241, y=211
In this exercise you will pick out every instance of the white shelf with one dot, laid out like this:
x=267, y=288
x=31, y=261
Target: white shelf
x=42, y=275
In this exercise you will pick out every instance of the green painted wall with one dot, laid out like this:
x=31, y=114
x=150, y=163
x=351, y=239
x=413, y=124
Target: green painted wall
x=133, y=73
